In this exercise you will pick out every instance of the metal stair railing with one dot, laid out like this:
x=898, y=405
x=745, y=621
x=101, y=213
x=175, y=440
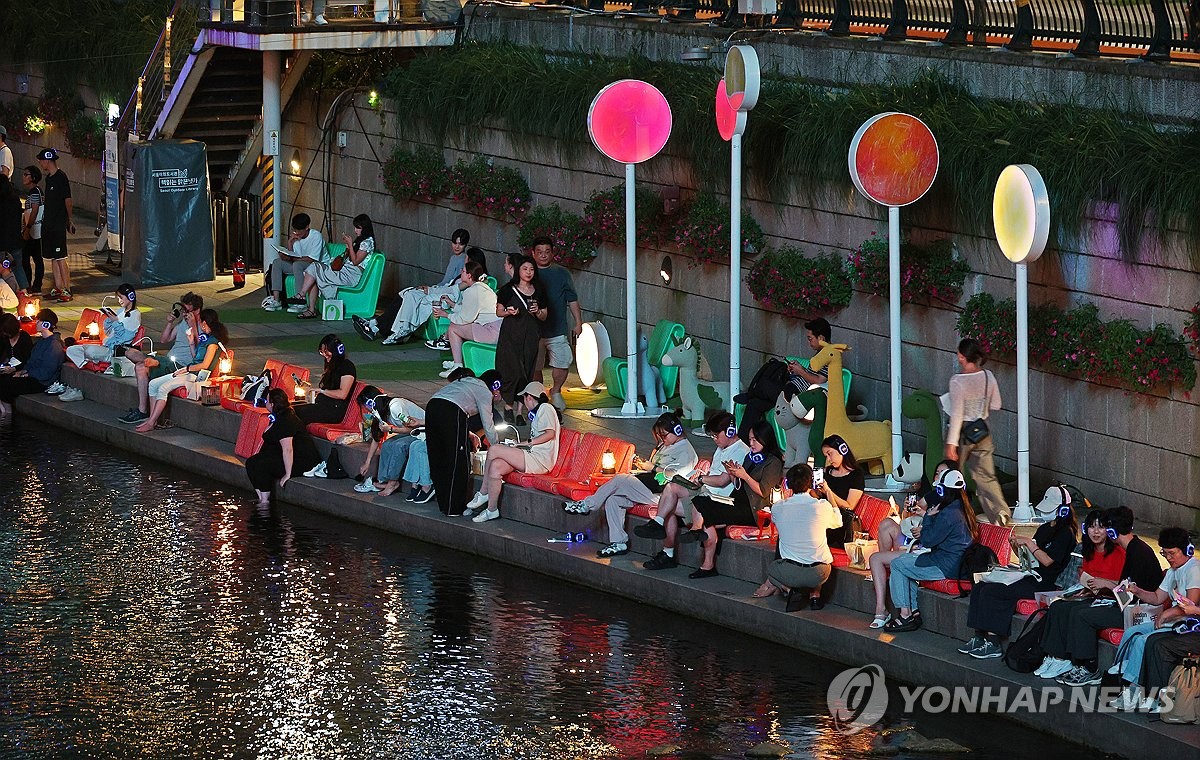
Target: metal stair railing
x=158, y=75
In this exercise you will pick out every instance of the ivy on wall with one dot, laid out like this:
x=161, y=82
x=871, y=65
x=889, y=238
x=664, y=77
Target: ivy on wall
x=928, y=273
x=800, y=133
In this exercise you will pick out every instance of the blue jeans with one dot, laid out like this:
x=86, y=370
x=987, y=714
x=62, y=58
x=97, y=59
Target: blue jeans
x=902, y=582
x=393, y=455
x=1133, y=647
x=416, y=471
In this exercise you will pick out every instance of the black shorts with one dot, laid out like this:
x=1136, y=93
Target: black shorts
x=54, y=245
x=720, y=513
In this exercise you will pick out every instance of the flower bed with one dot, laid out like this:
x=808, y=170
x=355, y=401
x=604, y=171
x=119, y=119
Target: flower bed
x=605, y=215
x=1078, y=343
x=500, y=192
x=417, y=175
x=927, y=273
x=1191, y=330
x=787, y=281
x=703, y=231
x=574, y=241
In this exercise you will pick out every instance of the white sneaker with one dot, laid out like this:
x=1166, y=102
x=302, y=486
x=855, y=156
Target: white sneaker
x=320, y=20
x=477, y=501
x=559, y=402
x=56, y=389
x=1129, y=701
x=367, y=486
x=296, y=308
x=71, y=394
x=316, y=472
x=485, y=515
x=270, y=303
x=393, y=339
x=449, y=363
x=1053, y=667
x=450, y=370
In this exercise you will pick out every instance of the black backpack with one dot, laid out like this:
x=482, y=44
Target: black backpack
x=1025, y=653
x=976, y=559
x=768, y=382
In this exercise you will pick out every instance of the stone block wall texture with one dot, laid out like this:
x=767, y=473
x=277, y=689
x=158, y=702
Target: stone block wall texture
x=1135, y=449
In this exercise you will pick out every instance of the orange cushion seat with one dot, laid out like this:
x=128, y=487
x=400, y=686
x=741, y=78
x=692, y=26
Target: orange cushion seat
x=249, y=439
x=583, y=461
x=1111, y=635
x=643, y=510
x=581, y=489
x=567, y=441
x=996, y=538
x=871, y=511
x=349, y=423
x=1026, y=606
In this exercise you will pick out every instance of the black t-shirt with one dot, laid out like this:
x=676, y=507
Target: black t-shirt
x=1141, y=564
x=304, y=451
x=841, y=485
x=1058, y=541
x=21, y=351
x=334, y=381
x=58, y=189
x=509, y=296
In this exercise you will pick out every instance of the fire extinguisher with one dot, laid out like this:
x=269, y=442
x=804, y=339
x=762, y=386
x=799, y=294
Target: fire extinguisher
x=239, y=273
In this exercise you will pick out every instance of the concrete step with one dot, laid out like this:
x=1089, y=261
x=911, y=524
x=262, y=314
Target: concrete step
x=923, y=657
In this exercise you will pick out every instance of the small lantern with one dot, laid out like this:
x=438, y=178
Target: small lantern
x=298, y=392
x=93, y=329
x=225, y=365
x=608, y=463
x=32, y=307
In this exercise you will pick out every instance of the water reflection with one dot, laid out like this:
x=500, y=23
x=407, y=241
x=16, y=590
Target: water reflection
x=143, y=612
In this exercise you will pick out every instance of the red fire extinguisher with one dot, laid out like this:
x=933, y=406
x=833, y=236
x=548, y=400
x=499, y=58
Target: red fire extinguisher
x=239, y=273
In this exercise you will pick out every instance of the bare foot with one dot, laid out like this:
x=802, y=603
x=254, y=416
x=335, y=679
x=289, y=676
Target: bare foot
x=390, y=488
x=145, y=427
x=765, y=590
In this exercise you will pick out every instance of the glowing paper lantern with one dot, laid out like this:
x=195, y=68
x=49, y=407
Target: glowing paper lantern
x=629, y=121
x=893, y=159
x=1021, y=213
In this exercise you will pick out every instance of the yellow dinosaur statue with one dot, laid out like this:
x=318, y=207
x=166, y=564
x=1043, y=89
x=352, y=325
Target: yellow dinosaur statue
x=870, y=440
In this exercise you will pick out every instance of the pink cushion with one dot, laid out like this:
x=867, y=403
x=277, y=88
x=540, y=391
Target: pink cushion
x=749, y=533
x=1112, y=635
x=249, y=440
x=644, y=510
x=1026, y=606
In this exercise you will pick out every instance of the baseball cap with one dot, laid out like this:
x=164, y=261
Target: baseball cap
x=3, y=132
x=49, y=154
x=952, y=479
x=534, y=389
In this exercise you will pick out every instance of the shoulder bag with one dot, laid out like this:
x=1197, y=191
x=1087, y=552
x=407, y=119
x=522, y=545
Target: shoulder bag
x=976, y=430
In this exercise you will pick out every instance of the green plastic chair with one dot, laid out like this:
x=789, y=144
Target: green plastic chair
x=479, y=357
x=780, y=433
x=359, y=300
x=666, y=334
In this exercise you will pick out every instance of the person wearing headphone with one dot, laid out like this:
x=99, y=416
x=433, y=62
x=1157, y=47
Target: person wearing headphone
x=209, y=339
x=287, y=448
x=842, y=486
x=676, y=499
x=181, y=328
x=43, y=368
x=120, y=328
x=537, y=456
x=337, y=381
x=1178, y=592
x=993, y=604
x=402, y=455
x=946, y=530
x=673, y=455
x=753, y=480
x=1103, y=560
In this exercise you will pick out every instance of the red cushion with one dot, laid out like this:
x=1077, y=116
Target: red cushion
x=750, y=533
x=871, y=511
x=577, y=465
x=1112, y=635
x=1026, y=606
x=179, y=392
x=644, y=510
x=249, y=440
x=330, y=432
x=567, y=441
x=954, y=588
x=840, y=558
x=996, y=538
x=234, y=404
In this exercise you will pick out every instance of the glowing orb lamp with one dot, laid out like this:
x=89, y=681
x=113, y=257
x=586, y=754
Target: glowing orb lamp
x=592, y=348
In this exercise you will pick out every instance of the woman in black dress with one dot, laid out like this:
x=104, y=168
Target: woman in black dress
x=843, y=486
x=754, y=479
x=287, y=448
x=337, y=382
x=522, y=303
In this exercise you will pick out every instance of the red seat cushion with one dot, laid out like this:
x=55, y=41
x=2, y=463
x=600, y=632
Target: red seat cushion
x=840, y=558
x=234, y=404
x=581, y=489
x=1026, y=606
x=644, y=510
x=996, y=538
x=750, y=533
x=249, y=440
x=871, y=511
x=953, y=588
x=1112, y=635
x=349, y=423
x=580, y=464
x=567, y=441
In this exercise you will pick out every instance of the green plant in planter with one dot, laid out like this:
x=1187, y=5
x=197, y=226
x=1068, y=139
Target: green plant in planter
x=85, y=136
x=703, y=230
x=1191, y=330
x=416, y=175
x=500, y=192
x=605, y=214
x=927, y=273
x=1078, y=343
x=787, y=281
x=574, y=241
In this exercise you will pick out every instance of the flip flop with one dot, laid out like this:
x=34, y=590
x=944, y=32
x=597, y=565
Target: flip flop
x=307, y=314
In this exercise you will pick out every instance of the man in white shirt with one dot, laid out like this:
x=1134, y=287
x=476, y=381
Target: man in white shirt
x=677, y=499
x=305, y=246
x=805, y=561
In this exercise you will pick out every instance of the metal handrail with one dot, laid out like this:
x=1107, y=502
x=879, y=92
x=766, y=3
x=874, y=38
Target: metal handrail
x=155, y=81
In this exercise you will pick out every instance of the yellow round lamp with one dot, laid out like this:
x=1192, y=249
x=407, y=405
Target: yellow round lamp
x=1021, y=213
x=592, y=348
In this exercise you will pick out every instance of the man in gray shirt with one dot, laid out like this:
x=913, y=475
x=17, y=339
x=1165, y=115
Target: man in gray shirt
x=556, y=347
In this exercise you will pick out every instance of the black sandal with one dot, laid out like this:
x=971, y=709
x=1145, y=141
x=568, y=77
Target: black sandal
x=903, y=624
x=307, y=314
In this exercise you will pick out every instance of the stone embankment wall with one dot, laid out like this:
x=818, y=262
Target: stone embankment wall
x=1125, y=448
